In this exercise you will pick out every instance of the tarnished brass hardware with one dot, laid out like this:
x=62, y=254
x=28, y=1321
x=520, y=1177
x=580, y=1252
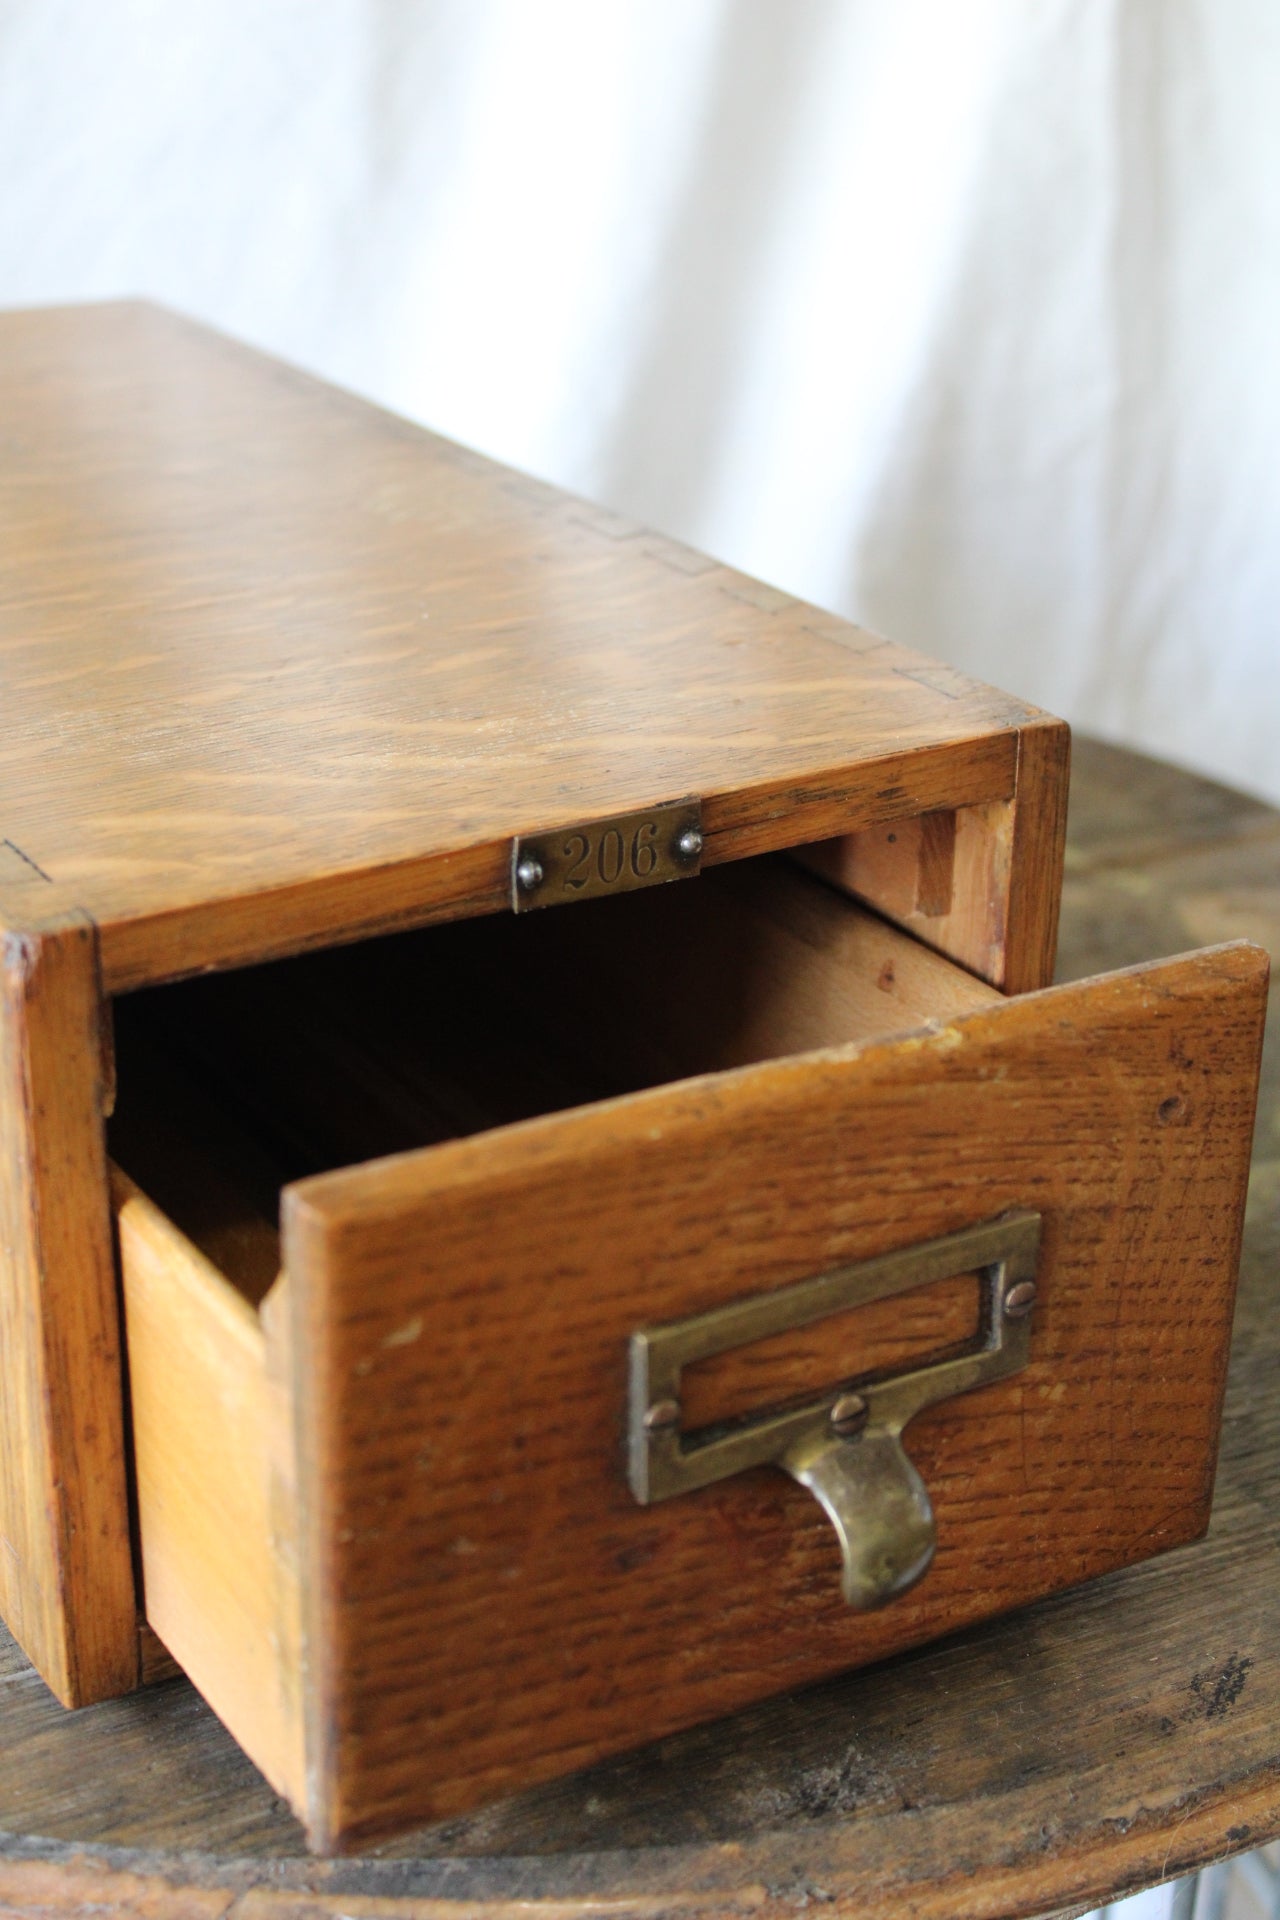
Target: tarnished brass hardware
x=845, y=1447
x=849, y=1415
x=878, y=1505
x=617, y=855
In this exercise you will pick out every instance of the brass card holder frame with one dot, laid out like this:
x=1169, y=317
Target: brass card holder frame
x=845, y=1446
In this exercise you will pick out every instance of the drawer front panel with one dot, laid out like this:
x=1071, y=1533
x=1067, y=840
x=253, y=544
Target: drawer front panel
x=487, y=1603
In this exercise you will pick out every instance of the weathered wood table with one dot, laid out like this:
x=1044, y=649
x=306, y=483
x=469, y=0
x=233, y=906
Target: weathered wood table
x=1114, y=1736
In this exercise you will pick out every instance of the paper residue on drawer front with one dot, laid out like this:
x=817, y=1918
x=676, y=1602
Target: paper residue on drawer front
x=406, y=1335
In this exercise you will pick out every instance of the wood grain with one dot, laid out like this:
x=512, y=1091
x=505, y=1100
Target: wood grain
x=1080, y=1748
x=1036, y=858
x=310, y=668
x=770, y=958
x=884, y=1336
x=754, y=962
x=980, y=883
x=204, y=1441
x=66, y=1578
x=460, y=1466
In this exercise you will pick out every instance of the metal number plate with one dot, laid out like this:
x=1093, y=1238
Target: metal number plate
x=845, y=1446
x=607, y=856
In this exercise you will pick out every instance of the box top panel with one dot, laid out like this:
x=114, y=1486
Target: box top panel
x=279, y=667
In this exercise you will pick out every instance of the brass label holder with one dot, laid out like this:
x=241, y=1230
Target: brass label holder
x=846, y=1446
x=617, y=855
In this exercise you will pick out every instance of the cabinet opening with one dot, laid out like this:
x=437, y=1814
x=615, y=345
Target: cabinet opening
x=233, y=1085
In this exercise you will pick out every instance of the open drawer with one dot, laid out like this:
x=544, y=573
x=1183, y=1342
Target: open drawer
x=433, y=1514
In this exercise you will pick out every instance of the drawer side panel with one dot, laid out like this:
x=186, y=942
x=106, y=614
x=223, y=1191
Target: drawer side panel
x=205, y=1440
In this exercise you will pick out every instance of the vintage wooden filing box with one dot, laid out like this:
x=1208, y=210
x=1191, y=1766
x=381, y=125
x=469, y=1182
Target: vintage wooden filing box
x=492, y=1344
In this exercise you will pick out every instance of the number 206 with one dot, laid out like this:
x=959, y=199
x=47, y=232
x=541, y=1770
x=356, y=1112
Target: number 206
x=611, y=857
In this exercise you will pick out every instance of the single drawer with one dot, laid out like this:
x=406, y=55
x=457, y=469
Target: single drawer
x=606, y=1350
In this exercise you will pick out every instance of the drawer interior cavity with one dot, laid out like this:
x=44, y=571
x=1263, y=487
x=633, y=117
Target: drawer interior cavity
x=233, y=1085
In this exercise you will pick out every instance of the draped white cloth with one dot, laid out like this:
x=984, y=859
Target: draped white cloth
x=959, y=316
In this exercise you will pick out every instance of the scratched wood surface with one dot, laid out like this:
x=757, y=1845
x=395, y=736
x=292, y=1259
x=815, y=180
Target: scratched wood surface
x=279, y=668
x=464, y=1469
x=465, y=1472
x=1083, y=1746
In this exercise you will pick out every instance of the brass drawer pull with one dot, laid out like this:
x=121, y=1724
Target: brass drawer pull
x=845, y=1447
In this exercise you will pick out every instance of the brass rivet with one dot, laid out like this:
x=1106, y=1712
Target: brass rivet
x=661, y=1415
x=529, y=874
x=1019, y=1300
x=849, y=1415
x=690, y=843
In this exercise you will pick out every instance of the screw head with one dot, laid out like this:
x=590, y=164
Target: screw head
x=529, y=874
x=849, y=1415
x=689, y=845
x=662, y=1416
x=1019, y=1300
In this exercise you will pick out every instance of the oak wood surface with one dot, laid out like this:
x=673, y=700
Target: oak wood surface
x=978, y=883
x=339, y=1056
x=465, y=1310
x=66, y=1574
x=1089, y=1744
x=281, y=669
x=203, y=1449
x=459, y=1462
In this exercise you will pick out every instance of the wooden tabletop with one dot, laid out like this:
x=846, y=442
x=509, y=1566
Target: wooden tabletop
x=1119, y=1734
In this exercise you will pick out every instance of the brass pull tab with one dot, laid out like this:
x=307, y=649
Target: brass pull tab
x=845, y=1447
x=880, y=1509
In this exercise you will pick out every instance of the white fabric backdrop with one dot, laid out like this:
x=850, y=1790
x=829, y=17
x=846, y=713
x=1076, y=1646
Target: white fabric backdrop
x=960, y=316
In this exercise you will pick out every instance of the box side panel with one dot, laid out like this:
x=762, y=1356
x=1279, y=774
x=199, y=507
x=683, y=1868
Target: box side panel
x=66, y=1576
x=980, y=883
x=486, y=1603
x=1039, y=847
